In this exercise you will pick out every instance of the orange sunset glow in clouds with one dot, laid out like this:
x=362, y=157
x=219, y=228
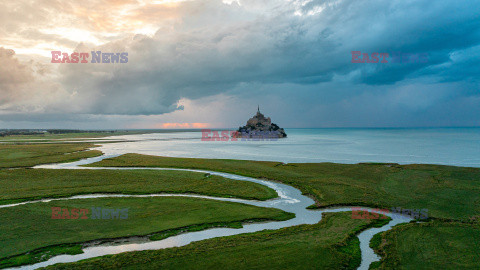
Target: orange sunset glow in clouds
x=181, y=125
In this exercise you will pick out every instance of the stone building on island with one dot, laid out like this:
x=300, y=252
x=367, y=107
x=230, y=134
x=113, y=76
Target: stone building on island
x=260, y=127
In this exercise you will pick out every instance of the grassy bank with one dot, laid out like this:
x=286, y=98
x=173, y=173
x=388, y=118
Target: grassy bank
x=30, y=184
x=329, y=244
x=29, y=227
x=432, y=245
x=67, y=136
x=76, y=135
x=15, y=156
x=447, y=192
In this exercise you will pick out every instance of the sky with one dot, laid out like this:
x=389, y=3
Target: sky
x=209, y=63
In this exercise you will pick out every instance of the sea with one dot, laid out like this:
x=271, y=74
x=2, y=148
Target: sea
x=445, y=146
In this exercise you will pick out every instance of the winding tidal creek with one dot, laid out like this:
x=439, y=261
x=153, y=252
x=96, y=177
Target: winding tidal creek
x=289, y=199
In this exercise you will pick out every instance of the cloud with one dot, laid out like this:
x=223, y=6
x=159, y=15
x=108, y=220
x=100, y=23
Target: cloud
x=27, y=87
x=194, y=50
x=13, y=74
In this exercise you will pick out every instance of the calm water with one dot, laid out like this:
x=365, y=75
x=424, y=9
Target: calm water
x=449, y=146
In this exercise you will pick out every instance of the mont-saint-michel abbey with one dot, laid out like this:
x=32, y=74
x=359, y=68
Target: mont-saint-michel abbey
x=260, y=127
